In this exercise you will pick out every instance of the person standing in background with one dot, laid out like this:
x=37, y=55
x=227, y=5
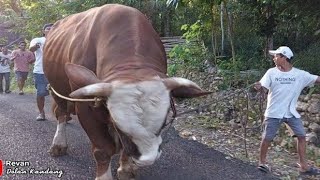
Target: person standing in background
x=5, y=62
x=41, y=82
x=22, y=58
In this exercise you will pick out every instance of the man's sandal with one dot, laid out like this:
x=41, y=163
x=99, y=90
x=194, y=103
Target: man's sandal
x=264, y=168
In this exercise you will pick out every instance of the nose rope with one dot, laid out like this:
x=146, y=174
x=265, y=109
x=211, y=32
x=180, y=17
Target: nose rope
x=96, y=99
x=166, y=125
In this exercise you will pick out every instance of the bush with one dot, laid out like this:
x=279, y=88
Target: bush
x=308, y=60
x=192, y=54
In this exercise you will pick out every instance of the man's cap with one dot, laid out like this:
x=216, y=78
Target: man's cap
x=284, y=50
x=47, y=25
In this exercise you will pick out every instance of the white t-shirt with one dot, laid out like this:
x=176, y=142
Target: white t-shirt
x=38, y=65
x=284, y=91
x=5, y=62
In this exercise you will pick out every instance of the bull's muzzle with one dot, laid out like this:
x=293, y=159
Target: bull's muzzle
x=147, y=160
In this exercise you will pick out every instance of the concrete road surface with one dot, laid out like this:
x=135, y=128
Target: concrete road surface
x=24, y=143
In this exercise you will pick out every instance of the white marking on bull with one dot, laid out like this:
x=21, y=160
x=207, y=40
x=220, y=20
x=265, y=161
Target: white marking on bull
x=60, y=138
x=139, y=110
x=107, y=175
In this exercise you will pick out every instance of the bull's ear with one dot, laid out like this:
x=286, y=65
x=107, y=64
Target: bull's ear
x=184, y=88
x=80, y=75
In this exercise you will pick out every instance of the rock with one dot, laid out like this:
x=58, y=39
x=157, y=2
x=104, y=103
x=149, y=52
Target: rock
x=277, y=140
x=307, y=98
x=305, y=123
x=185, y=133
x=312, y=138
x=315, y=96
x=301, y=97
x=302, y=106
x=284, y=173
x=212, y=70
x=284, y=143
x=314, y=107
x=314, y=127
x=233, y=124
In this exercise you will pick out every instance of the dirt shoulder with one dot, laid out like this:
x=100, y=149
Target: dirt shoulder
x=231, y=141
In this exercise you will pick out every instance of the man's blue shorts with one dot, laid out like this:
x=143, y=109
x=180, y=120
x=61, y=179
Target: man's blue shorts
x=21, y=75
x=272, y=125
x=41, y=83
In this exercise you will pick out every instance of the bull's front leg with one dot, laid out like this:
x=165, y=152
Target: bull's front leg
x=59, y=144
x=127, y=169
x=102, y=158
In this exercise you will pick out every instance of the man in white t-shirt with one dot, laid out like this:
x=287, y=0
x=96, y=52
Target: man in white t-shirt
x=284, y=84
x=5, y=62
x=41, y=82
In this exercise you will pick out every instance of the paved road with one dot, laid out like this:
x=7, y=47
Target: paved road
x=26, y=140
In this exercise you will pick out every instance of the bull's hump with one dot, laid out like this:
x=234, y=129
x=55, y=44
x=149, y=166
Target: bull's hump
x=114, y=10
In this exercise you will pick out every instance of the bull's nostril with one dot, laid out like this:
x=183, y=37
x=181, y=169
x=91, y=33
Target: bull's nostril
x=159, y=154
x=160, y=147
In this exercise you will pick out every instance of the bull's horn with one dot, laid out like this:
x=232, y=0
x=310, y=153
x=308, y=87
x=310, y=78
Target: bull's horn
x=184, y=88
x=98, y=89
x=176, y=82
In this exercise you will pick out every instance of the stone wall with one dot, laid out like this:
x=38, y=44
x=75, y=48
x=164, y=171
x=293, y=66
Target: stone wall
x=309, y=108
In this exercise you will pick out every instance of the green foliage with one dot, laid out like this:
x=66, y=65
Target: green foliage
x=40, y=13
x=308, y=58
x=193, y=53
x=240, y=73
x=313, y=155
x=293, y=23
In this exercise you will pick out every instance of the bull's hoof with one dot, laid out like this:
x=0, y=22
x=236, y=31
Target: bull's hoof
x=57, y=150
x=125, y=175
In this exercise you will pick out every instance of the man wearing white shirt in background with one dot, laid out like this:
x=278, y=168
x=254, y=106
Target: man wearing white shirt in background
x=41, y=82
x=284, y=84
x=5, y=62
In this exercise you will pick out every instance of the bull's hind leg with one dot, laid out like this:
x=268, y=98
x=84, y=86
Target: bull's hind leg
x=59, y=144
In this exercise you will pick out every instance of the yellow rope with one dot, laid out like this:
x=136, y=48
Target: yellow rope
x=96, y=99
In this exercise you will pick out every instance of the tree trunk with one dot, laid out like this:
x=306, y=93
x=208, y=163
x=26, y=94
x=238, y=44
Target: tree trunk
x=222, y=27
x=213, y=36
x=16, y=7
x=167, y=23
x=230, y=33
x=269, y=45
x=269, y=38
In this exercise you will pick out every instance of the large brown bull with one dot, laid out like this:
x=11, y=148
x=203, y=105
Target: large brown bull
x=112, y=52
